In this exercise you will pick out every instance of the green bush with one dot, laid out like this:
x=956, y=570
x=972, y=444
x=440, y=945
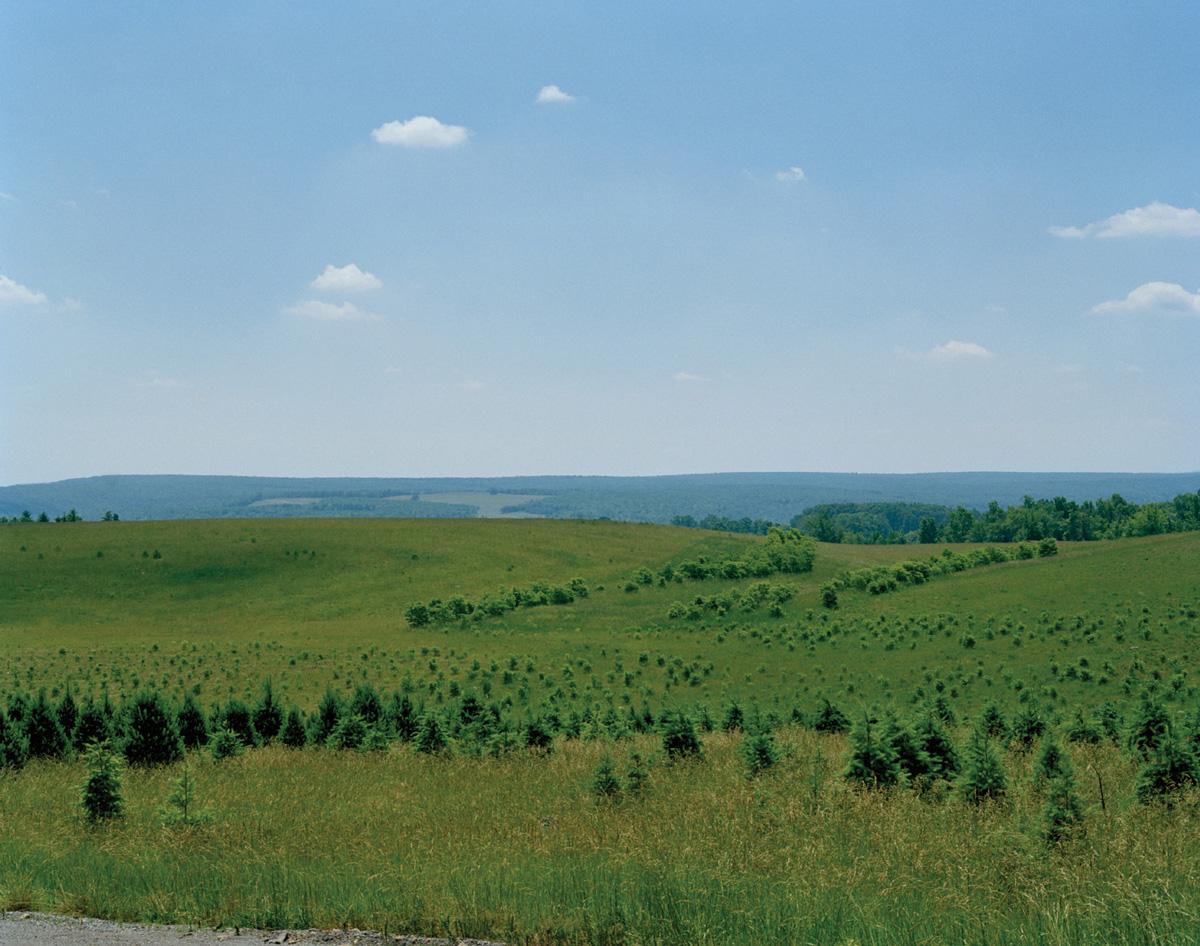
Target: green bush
x=101, y=798
x=150, y=733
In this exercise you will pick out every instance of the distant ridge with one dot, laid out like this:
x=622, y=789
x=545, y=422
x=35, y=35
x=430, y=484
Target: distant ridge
x=774, y=496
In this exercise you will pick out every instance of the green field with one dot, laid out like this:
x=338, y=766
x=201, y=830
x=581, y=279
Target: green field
x=500, y=841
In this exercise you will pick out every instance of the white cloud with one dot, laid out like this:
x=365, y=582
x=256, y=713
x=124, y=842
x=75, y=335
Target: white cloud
x=686, y=378
x=347, y=278
x=154, y=379
x=420, y=132
x=471, y=385
x=13, y=293
x=552, y=93
x=791, y=174
x=4, y=195
x=1165, y=298
x=328, y=312
x=1155, y=219
x=951, y=351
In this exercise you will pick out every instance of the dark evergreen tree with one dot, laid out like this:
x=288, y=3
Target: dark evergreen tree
x=992, y=722
x=758, y=750
x=1083, y=730
x=102, y=790
x=983, y=776
x=872, y=759
x=1051, y=763
x=911, y=756
x=404, y=718
x=830, y=719
x=935, y=741
x=150, y=735
x=268, y=714
x=351, y=733
x=1150, y=729
x=67, y=712
x=733, y=719
x=193, y=724
x=14, y=751
x=431, y=739
x=1062, y=813
x=636, y=777
x=1027, y=726
x=605, y=784
x=43, y=733
x=225, y=744
x=367, y=704
x=942, y=709
x=238, y=718
x=326, y=718
x=679, y=736
x=538, y=735
x=94, y=725
x=1172, y=767
x=294, y=735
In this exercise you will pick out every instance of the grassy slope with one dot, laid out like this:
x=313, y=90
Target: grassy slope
x=516, y=847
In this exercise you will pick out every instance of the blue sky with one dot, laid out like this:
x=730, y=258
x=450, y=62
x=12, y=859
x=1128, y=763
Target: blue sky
x=421, y=239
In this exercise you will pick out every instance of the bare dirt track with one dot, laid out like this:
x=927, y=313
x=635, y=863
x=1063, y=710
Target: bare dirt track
x=40, y=929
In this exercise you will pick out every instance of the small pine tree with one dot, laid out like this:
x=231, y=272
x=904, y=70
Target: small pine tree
x=43, y=732
x=225, y=744
x=268, y=714
x=182, y=806
x=993, y=723
x=326, y=718
x=911, y=756
x=1172, y=768
x=367, y=704
x=430, y=737
x=93, y=725
x=151, y=736
x=872, y=759
x=193, y=724
x=636, y=777
x=404, y=717
x=67, y=712
x=679, y=736
x=351, y=733
x=605, y=784
x=1027, y=726
x=538, y=735
x=1051, y=764
x=238, y=718
x=829, y=718
x=758, y=751
x=734, y=719
x=1150, y=730
x=983, y=777
x=934, y=740
x=13, y=748
x=293, y=734
x=101, y=798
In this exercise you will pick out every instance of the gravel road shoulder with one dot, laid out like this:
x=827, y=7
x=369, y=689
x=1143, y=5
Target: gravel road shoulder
x=42, y=929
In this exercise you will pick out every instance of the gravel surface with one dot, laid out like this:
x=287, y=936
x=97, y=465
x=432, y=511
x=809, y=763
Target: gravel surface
x=42, y=929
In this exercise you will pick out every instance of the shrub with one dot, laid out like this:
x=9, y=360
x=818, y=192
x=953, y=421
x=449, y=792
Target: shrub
x=238, y=719
x=151, y=736
x=636, y=777
x=1150, y=730
x=101, y=797
x=351, y=733
x=13, y=748
x=1173, y=767
x=181, y=806
x=758, y=751
x=325, y=720
x=934, y=740
x=830, y=719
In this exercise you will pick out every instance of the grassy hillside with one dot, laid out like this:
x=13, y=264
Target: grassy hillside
x=514, y=843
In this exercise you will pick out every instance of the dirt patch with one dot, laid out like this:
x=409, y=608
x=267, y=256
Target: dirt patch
x=42, y=929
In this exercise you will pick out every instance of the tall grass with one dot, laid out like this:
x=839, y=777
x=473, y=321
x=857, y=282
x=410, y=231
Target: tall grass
x=519, y=849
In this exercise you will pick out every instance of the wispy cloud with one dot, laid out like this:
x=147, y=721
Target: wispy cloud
x=471, y=385
x=420, y=132
x=790, y=175
x=328, y=312
x=155, y=379
x=13, y=293
x=552, y=93
x=4, y=195
x=684, y=377
x=347, y=278
x=1155, y=219
x=1158, y=298
x=951, y=351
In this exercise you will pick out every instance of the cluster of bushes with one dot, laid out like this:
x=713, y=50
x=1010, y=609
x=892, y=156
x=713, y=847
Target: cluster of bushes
x=70, y=516
x=494, y=605
x=785, y=551
x=881, y=579
x=749, y=599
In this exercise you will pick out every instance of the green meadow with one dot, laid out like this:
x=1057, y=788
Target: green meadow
x=501, y=841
